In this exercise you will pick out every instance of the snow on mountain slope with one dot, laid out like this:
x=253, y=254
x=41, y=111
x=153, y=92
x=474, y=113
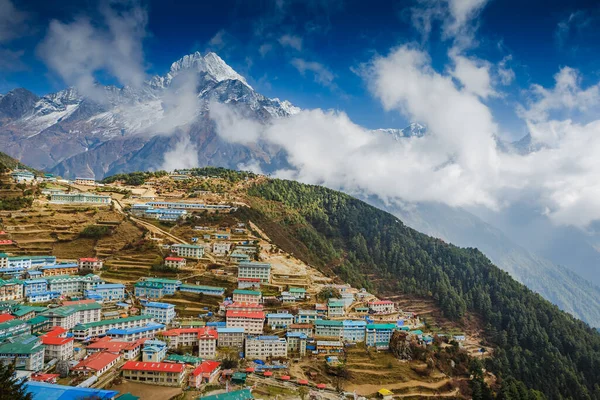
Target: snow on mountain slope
x=46, y=131
x=413, y=130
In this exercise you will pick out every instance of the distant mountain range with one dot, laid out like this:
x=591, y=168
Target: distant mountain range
x=127, y=129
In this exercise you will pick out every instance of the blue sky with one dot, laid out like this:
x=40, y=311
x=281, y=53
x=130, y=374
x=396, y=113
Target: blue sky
x=539, y=37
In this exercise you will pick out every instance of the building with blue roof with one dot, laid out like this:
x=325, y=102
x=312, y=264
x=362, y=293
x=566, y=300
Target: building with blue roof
x=49, y=391
x=280, y=320
x=154, y=350
x=161, y=312
x=31, y=286
x=110, y=291
x=14, y=272
x=130, y=334
x=354, y=331
x=296, y=342
x=264, y=347
x=232, y=337
x=43, y=297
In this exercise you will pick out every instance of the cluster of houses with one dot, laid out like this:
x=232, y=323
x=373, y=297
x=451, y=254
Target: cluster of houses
x=172, y=211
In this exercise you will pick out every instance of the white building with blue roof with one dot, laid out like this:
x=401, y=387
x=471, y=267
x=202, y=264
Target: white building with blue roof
x=107, y=292
x=354, y=331
x=130, y=334
x=161, y=312
x=296, y=342
x=264, y=347
x=154, y=350
x=279, y=320
x=32, y=286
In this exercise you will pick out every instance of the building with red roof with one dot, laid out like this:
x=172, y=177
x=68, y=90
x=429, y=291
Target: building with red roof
x=155, y=373
x=175, y=262
x=128, y=350
x=92, y=263
x=47, y=378
x=57, y=344
x=96, y=364
x=6, y=317
x=251, y=321
x=241, y=306
x=248, y=283
x=207, y=372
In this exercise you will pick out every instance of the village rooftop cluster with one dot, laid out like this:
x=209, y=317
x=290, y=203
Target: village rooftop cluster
x=60, y=321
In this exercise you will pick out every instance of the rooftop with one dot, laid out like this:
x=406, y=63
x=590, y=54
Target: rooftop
x=153, y=366
x=245, y=314
x=157, y=304
x=207, y=367
x=25, y=344
x=48, y=391
x=110, y=322
x=280, y=315
x=243, y=394
x=97, y=361
x=248, y=292
x=150, y=326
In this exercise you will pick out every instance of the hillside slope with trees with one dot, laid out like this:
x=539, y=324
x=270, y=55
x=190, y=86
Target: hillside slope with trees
x=538, y=345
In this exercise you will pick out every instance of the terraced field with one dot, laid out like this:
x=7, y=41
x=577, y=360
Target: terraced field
x=371, y=371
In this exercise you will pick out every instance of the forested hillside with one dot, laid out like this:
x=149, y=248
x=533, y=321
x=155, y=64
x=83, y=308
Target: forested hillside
x=538, y=345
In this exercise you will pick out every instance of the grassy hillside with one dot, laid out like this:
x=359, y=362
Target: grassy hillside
x=538, y=345
x=9, y=163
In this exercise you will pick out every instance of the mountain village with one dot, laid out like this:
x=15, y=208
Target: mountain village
x=222, y=313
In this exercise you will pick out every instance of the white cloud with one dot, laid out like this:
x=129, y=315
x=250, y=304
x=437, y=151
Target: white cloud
x=474, y=74
x=218, y=41
x=456, y=17
x=180, y=104
x=78, y=50
x=183, y=155
x=567, y=94
x=11, y=21
x=462, y=12
x=505, y=73
x=293, y=41
x=575, y=21
x=456, y=163
x=264, y=49
x=322, y=74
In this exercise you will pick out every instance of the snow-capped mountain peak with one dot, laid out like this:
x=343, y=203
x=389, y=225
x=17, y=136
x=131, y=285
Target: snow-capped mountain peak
x=210, y=63
x=413, y=130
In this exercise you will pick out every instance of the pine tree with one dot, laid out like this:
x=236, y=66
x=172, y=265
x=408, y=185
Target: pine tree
x=11, y=388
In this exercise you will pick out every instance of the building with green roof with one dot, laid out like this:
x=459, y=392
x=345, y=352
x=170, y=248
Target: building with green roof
x=13, y=328
x=379, y=335
x=184, y=359
x=155, y=288
x=69, y=316
x=243, y=394
x=200, y=289
x=335, y=308
x=38, y=323
x=329, y=329
x=98, y=328
x=26, y=351
x=247, y=296
x=24, y=312
x=11, y=289
x=127, y=396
